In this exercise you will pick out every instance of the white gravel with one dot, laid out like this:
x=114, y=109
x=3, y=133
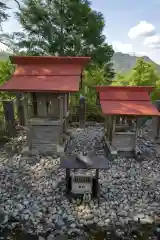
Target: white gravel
x=32, y=189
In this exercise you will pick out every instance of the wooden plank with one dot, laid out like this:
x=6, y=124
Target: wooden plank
x=20, y=108
x=65, y=104
x=113, y=150
x=25, y=104
x=41, y=105
x=82, y=111
x=9, y=117
x=53, y=106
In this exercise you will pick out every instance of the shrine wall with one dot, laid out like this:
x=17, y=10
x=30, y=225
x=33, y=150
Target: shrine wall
x=43, y=137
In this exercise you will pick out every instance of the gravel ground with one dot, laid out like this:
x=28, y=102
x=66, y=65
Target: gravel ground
x=32, y=190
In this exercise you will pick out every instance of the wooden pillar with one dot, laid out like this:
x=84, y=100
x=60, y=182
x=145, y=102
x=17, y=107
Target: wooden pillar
x=137, y=133
x=25, y=105
x=157, y=128
x=82, y=111
x=61, y=109
x=110, y=128
x=9, y=117
x=20, y=108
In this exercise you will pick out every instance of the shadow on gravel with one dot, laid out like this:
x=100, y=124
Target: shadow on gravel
x=127, y=232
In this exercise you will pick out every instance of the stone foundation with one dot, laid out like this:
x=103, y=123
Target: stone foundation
x=44, y=135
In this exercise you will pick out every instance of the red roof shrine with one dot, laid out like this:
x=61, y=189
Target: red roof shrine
x=45, y=74
x=128, y=100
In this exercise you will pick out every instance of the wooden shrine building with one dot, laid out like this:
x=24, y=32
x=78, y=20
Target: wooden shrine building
x=116, y=101
x=46, y=83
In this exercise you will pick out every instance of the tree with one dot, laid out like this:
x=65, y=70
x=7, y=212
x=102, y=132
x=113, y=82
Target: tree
x=121, y=79
x=64, y=27
x=6, y=39
x=143, y=74
x=3, y=15
x=6, y=69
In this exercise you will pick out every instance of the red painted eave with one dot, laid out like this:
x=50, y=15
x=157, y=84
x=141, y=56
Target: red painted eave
x=134, y=108
x=46, y=73
x=42, y=84
x=128, y=100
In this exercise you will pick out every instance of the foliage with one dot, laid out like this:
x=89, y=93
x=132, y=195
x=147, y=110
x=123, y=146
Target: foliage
x=5, y=38
x=3, y=15
x=64, y=27
x=124, y=63
x=92, y=78
x=143, y=74
x=6, y=69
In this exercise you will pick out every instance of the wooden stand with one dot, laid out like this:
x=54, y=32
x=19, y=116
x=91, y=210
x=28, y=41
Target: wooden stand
x=71, y=162
x=122, y=142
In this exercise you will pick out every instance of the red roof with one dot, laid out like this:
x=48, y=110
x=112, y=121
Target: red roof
x=42, y=84
x=117, y=100
x=45, y=74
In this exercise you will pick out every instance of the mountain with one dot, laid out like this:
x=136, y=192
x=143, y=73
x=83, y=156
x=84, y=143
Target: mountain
x=122, y=62
x=125, y=62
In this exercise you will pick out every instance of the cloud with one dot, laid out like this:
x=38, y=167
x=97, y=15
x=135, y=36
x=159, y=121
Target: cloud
x=152, y=42
x=122, y=47
x=140, y=54
x=156, y=46
x=143, y=29
x=127, y=48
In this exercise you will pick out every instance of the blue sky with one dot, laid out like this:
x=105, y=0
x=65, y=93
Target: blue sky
x=132, y=26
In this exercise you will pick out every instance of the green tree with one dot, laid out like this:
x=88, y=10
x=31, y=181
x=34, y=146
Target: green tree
x=64, y=27
x=5, y=38
x=6, y=69
x=3, y=13
x=143, y=74
x=121, y=79
x=3, y=17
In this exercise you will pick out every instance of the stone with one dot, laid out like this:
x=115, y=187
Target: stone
x=70, y=218
x=89, y=217
x=51, y=237
x=41, y=238
x=3, y=217
x=26, y=217
x=100, y=223
x=60, y=223
x=73, y=225
x=90, y=222
x=20, y=207
x=32, y=188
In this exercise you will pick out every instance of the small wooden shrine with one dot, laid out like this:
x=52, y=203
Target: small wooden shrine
x=81, y=185
x=46, y=83
x=117, y=101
